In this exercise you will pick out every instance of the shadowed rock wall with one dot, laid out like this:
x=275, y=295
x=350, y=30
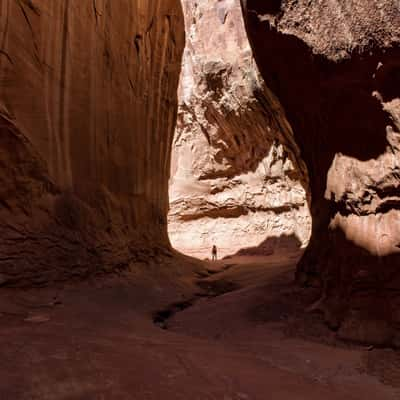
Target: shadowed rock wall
x=87, y=112
x=237, y=177
x=336, y=70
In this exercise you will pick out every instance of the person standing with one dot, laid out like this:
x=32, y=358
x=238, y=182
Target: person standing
x=214, y=253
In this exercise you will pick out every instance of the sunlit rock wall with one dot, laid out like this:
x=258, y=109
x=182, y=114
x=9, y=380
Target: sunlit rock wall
x=87, y=113
x=237, y=178
x=335, y=67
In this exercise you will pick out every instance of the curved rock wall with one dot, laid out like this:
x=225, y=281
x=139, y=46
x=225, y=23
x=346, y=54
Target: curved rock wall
x=336, y=70
x=237, y=178
x=87, y=112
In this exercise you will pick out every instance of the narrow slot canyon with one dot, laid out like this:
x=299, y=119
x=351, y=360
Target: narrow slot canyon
x=136, y=135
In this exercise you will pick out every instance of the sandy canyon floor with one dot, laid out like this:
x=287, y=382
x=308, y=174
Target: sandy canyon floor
x=232, y=330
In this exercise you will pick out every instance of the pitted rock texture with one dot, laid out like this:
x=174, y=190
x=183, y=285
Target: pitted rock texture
x=336, y=70
x=87, y=113
x=237, y=177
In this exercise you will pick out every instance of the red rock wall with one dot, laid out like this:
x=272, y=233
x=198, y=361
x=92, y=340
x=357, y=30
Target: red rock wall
x=335, y=68
x=87, y=112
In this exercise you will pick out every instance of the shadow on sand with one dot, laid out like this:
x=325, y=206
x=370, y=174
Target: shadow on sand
x=271, y=245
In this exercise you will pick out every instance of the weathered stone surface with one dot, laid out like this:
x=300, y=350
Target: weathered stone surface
x=237, y=177
x=336, y=70
x=87, y=112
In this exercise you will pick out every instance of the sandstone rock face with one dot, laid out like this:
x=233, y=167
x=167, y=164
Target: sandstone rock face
x=237, y=178
x=87, y=112
x=336, y=70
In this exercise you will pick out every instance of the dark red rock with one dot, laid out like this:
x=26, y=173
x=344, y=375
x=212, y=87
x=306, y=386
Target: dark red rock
x=335, y=69
x=87, y=112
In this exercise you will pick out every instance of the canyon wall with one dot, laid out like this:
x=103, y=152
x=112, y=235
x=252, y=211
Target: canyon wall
x=237, y=177
x=336, y=70
x=87, y=112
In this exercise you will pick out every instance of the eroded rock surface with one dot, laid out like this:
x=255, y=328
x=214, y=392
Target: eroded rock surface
x=336, y=70
x=87, y=112
x=237, y=177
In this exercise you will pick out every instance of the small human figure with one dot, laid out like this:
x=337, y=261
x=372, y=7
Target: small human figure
x=214, y=253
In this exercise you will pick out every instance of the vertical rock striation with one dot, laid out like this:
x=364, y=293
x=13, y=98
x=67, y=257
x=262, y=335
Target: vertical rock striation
x=87, y=112
x=237, y=178
x=336, y=70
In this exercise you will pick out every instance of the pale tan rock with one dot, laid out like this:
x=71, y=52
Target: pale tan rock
x=237, y=177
